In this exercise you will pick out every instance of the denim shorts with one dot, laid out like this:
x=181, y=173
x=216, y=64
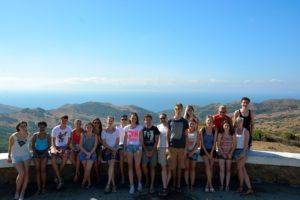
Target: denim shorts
x=239, y=153
x=82, y=156
x=133, y=148
x=195, y=156
x=41, y=154
x=19, y=159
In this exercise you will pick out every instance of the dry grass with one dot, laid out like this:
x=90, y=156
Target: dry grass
x=274, y=146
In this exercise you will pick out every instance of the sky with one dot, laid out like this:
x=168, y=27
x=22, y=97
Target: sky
x=150, y=46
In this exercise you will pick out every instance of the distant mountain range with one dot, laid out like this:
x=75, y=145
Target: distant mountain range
x=271, y=115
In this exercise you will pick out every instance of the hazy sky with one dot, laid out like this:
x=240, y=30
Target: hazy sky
x=204, y=46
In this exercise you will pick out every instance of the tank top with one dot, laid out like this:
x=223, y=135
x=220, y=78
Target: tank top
x=41, y=144
x=20, y=148
x=163, y=135
x=226, y=143
x=247, y=120
x=88, y=142
x=208, y=139
x=192, y=140
x=240, y=140
x=75, y=137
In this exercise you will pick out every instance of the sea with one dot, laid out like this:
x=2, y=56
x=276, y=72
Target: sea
x=154, y=101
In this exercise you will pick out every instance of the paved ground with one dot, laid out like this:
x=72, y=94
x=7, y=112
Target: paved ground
x=73, y=191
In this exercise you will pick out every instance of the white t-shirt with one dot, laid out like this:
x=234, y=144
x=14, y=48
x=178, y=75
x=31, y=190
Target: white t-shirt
x=61, y=135
x=163, y=135
x=110, y=138
x=122, y=133
x=133, y=134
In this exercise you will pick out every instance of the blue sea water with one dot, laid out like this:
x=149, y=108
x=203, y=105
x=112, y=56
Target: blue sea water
x=153, y=101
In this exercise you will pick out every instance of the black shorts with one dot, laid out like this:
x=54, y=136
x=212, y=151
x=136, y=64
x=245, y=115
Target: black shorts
x=202, y=152
x=108, y=155
x=41, y=154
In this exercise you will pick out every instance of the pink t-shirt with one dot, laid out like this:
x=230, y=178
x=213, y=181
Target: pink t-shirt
x=133, y=134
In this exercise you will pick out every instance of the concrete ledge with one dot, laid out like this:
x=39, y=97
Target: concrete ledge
x=262, y=167
x=254, y=157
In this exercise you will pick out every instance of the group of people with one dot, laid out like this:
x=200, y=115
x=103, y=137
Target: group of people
x=175, y=144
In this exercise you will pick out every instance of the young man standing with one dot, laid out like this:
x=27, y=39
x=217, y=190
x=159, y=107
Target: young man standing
x=121, y=127
x=247, y=115
x=149, y=156
x=60, y=139
x=177, y=133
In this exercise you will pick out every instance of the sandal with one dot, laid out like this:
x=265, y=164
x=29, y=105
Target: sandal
x=249, y=191
x=240, y=189
x=151, y=191
x=107, y=188
x=163, y=193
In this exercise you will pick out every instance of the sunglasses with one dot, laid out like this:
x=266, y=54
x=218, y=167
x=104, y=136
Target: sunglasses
x=162, y=118
x=96, y=122
x=123, y=119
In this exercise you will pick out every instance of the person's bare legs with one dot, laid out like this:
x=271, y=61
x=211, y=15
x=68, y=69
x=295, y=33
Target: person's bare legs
x=122, y=157
x=207, y=171
x=44, y=162
x=228, y=173
x=84, y=180
x=222, y=172
x=186, y=172
x=87, y=172
x=130, y=167
x=55, y=167
x=145, y=172
x=20, y=178
x=111, y=164
x=240, y=169
x=152, y=177
x=25, y=180
x=192, y=172
x=137, y=161
x=37, y=162
x=63, y=162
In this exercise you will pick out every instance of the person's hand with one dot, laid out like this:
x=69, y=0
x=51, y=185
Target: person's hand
x=230, y=156
x=88, y=155
x=167, y=151
x=149, y=153
x=9, y=159
x=190, y=154
x=211, y=155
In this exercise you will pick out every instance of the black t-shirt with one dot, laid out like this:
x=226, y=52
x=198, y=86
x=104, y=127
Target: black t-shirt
x=149, y=135
x=177, y=132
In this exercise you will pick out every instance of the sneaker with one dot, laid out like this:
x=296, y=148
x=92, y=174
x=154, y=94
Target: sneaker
x=151, y=191
x=17, y=196
x=114, y=190
x=221, y=188
x=211, y=189
x=131, y=190
x=227, y=188
x=107, y=188
x=59, y=185
x=206, y=189
x=140, y=187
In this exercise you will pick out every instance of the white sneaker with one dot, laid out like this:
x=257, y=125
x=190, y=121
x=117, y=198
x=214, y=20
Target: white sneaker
x=131, y=190
x=140, y=187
